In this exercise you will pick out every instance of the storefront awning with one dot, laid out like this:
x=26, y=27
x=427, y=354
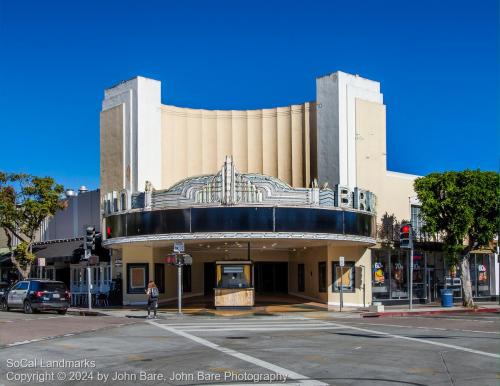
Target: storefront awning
x=67, y=251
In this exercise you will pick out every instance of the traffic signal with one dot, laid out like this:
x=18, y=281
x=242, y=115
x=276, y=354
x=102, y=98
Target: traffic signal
x=405, y=236
x=90, y=238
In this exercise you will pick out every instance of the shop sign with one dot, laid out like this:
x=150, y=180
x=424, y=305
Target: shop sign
x=342, y=261
x=41, y=261
x=379, y=273
x=94, y=260
x=483, y=275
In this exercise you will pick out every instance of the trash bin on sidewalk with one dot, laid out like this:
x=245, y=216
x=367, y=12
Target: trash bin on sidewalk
x=447, y=298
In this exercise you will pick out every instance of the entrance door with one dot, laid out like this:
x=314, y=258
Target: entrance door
x=271, y=277
x=209, y=278
x=431, y=285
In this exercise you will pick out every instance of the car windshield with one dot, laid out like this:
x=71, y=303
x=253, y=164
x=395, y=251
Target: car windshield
x=51, y=286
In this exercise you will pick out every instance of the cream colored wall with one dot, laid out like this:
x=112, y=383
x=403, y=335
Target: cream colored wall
x=273, y=141
x=310, y=257
x=112, y=149
x=393, y=190
x=361, y=256
x=136, y=254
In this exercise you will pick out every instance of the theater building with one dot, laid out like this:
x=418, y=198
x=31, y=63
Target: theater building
x=264, y=200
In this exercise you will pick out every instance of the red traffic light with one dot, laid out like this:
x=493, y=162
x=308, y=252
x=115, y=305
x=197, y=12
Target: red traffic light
x=171, y=259
x=405, y=229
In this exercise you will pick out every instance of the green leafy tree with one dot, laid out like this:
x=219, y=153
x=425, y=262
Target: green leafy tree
x=25, y=202
x=462, y=208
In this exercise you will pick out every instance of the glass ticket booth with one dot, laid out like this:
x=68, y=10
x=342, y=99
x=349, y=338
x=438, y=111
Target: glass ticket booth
x=234, y=284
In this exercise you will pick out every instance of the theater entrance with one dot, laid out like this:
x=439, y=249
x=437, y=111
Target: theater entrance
x=271, y=277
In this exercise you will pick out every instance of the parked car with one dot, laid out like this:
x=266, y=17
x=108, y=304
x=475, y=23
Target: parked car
x=35, y=295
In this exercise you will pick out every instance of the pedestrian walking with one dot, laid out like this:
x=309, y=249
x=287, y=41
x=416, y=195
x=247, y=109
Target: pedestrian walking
x=153, y=294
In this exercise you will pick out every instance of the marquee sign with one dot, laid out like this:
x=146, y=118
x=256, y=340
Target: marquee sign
x=230, y=188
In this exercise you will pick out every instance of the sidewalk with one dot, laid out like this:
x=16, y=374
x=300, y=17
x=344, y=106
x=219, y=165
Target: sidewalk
x=430, y=309
x=306, y=309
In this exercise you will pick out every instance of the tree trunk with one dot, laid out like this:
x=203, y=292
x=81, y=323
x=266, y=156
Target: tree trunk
x=467, y=299
x=25, y=273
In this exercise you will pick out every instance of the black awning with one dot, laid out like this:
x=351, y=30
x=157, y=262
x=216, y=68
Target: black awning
x=67, y=251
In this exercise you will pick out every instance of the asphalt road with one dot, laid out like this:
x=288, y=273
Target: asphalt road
x=426, y=350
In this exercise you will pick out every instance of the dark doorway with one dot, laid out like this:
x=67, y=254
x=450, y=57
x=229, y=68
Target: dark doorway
x=63, y=274
x=271, y=277
x=209, y=278
x=301, y=280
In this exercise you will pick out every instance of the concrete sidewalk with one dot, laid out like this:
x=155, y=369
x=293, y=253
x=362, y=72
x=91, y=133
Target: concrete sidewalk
x=429, y=309
x=309, y=309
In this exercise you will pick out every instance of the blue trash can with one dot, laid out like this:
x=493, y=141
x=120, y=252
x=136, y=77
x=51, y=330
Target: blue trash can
x=446, y=298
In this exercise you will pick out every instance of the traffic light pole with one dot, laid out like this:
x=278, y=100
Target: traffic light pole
x=341, y=288
x=89, y=285
x=411, y=277
x=179, y=289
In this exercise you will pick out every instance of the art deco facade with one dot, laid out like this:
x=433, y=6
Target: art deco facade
x=289, y=188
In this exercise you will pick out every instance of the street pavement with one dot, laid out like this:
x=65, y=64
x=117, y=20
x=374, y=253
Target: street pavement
x=308, y=349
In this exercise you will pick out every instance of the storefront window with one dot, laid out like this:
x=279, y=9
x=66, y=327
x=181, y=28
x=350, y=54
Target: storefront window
x=343, y=276
x=481, y=275
x=322, y=276
x=380, y=274
x=399, y=285
x=419, y=280
x=233, y=276
x=416, y=220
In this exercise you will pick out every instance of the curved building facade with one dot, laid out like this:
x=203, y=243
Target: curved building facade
x=289, y=189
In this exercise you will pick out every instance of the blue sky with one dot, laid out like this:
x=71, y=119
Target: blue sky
x=437, y=61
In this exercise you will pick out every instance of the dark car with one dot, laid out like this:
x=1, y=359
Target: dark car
x=37, y=295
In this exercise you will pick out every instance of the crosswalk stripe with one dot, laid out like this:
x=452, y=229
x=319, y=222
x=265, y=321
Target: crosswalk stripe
x=246, y=325
x=260, y=329
x=303, y=380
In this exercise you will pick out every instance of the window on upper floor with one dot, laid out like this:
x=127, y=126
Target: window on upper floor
x=416, y=221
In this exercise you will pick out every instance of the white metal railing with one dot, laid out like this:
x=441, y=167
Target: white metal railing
x=101, y=278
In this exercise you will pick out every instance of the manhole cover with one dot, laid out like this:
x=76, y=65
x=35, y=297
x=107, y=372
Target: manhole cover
x=237, y=337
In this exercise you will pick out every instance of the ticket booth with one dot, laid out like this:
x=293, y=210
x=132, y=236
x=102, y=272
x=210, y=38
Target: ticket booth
x=234, y=284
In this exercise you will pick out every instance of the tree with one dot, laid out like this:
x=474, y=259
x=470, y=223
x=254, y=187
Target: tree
x=388, y=229
x=25, y=202
x=462, y=208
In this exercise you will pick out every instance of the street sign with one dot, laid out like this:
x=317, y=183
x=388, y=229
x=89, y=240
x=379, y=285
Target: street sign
x=94, y=260
x=178, y=247
x=342, y=261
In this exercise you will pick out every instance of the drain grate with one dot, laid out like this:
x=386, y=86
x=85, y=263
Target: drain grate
x=236, y=337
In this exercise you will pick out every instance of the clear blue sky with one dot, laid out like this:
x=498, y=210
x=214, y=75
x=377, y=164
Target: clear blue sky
x=437, y=61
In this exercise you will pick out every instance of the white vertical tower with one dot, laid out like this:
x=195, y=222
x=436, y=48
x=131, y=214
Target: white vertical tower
x=336, y=96
x=140, y=143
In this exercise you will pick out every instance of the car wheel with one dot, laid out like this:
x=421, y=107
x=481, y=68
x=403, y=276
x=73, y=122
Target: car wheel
x=27, y=308
x=62, y=312
x=5, y=307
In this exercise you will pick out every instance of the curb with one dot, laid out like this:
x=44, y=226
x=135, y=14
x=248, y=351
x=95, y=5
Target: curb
x=436, y=312
x=85, y=313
